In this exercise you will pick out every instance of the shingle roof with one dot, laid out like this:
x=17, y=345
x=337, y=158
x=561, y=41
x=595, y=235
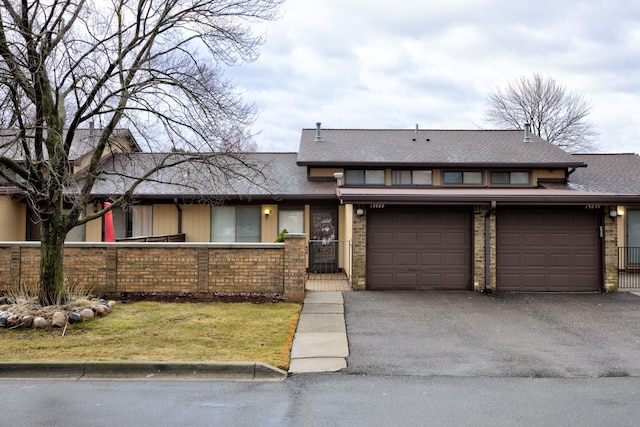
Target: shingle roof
x=255, y=175
x=358, y=147
x=83, y=143
x=612, y=173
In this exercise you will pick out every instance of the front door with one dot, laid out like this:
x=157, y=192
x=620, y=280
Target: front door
x=323, y=248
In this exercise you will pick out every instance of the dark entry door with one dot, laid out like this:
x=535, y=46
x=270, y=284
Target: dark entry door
x=323, y=247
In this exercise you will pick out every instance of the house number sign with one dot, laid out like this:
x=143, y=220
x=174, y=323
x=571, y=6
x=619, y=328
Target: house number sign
x=592, y=206
x=376, y=206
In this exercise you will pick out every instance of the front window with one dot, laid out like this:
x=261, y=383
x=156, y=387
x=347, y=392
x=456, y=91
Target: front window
x=364, y=177
x=235, y=224
x=291, y=220
x=135, y=221
x=411, y=177
x=462, y=178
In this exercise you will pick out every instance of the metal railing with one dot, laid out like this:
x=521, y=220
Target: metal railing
x=628, y=267
x=330, y=256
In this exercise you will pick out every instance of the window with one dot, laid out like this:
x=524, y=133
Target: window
x=235, y=224
x=411, y=177
x=291, y=220
x=509, y=178
x=462, y=178
x=135, y=221
x=364, y=177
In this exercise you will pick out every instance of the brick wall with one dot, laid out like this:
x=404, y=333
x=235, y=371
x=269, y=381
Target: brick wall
x=198, y=268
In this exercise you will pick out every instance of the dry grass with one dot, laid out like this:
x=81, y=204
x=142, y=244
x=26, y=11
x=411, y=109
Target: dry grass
x=158, y=331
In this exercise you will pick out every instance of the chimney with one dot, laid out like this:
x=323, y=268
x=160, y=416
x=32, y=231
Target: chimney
x=318, y=135
x=527, y=132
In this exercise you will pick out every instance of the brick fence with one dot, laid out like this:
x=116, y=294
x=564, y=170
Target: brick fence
x=201, y=269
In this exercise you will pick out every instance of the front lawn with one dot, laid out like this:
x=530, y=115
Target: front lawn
x=159, y=331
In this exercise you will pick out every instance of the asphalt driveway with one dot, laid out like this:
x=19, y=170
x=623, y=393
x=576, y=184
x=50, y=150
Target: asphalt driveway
x=472, y=334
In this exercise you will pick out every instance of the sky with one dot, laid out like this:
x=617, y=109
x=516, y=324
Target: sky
x=380, y=64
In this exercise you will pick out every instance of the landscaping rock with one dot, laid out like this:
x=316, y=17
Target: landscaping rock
x=26, y=322
x=75, y=317
x=58, y=320
x=40, y=323
x=111, y=304
x=13, y=321
x=87, y=313
x=101, y=310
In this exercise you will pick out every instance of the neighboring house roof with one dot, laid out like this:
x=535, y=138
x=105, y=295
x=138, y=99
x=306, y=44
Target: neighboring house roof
x=429, y=148
x=614, y=173
x=251, y=176
x=83, y=143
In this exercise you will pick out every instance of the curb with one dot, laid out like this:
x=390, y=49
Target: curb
x=190, y=371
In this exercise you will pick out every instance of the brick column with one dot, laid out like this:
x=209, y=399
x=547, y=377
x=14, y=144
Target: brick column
x=480, y=256
x=295, y=267
x=359, y=273
x=610, y=256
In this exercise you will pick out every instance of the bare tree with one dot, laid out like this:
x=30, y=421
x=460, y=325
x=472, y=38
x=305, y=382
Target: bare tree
x=555, y=114
x=153, y=66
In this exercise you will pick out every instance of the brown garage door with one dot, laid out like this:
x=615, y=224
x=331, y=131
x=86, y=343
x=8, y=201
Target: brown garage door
x=419, y=248
x=548, y=249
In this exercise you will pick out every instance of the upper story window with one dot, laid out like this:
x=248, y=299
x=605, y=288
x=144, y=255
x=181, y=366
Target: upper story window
x=411, y=177
x=364, y=177
x=509, y=178
x=462, y=178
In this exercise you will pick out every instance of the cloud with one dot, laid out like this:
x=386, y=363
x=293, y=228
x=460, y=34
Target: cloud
x=379, y=64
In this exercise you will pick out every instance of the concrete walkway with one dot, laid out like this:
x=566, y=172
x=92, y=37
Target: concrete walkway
x=320, y=343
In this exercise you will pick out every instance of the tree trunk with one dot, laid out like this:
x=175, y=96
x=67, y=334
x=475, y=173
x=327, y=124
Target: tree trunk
x=51, y=260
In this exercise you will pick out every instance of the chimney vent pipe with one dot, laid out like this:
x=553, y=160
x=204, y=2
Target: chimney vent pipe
x=318, y=133
x=527, y=132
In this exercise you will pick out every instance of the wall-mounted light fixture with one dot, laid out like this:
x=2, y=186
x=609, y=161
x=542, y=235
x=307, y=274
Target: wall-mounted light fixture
x=267, y=212
x=613, y=213
x=360, y=212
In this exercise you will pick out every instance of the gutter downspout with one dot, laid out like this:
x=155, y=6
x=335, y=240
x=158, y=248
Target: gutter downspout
x=487, y=247
x=175, y=202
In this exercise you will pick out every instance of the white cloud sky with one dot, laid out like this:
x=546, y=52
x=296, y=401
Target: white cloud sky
x=382, y=64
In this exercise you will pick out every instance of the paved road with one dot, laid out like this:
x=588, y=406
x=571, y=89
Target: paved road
x=325, y=400
x=512, y=335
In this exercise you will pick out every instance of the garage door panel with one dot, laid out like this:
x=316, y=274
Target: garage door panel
x=431, y=239
x=407, y=238
x=406, y=258
x=511, y=260
x=510, y=239
x=559, y=249
x=429, y=248
x=406, y=280
x=560, y=260
x=587, y=240
x=380, y=238
x=533, y=259
x=585, y=260
x=382, y=258
x=431, y=259
x=455, y=238
x=559, y=240
x=533, y=239
x=455, y=259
